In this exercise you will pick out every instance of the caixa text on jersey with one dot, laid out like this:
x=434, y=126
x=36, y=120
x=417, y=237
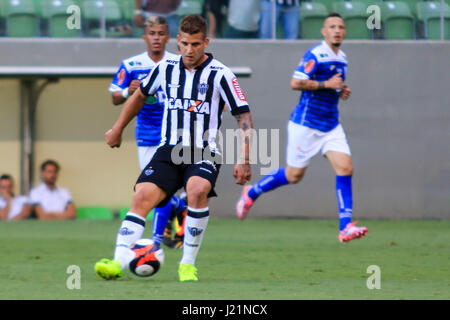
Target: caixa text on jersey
x=196, y=106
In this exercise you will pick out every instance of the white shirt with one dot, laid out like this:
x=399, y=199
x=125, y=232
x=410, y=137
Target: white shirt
x=16, y=206
x=55, y=200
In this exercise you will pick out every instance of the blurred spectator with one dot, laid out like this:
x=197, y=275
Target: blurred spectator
x=165, y=8
x=12, y=207
x=288, y=11
x=215, y=13
x=49, y=201
x=243, y=17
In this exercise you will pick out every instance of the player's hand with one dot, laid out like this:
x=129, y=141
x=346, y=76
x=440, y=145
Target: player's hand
x=113, y=138
x=345, y=93
x=335, y=82
x=242, y=173
x=134, y=85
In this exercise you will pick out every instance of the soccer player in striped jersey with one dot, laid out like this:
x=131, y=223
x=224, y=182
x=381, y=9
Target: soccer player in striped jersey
x=148, y=125
x=197, y=87
x=314, y=127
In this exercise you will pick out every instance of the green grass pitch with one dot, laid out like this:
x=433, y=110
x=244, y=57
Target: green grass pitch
x=252, y=259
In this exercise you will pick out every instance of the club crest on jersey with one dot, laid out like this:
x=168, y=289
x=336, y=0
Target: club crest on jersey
x=149, y=172
x=203, y=88
x=197, y=106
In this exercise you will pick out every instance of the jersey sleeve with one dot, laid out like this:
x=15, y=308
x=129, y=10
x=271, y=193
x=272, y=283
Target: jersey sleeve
x=121, y=80
x=67, y=196
x=232, y=93
x=25, y=200
x=307, y=67
x=153, y=81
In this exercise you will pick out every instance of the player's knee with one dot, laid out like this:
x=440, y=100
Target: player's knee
x=346, y=170
x=295, y=176
x=144, y=196
x=198, y=192
x=140, y=196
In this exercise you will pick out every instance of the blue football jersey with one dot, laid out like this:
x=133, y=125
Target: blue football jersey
x=319, y=109
x=149, y=119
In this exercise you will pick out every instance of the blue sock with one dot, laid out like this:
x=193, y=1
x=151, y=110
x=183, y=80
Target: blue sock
x=273, y=180
x=162, y=216
x=345, y=199
x=178, y=204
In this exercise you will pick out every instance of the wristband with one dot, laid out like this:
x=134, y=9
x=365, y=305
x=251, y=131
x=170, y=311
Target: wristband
x=125, y=93
x=321, y=85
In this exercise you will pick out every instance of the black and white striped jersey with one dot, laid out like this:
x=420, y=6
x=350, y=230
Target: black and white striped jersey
x=195, y=100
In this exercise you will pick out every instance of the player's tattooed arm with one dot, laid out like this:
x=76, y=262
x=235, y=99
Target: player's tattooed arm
x=334, y=82
x=245, y=124
x=242, y=171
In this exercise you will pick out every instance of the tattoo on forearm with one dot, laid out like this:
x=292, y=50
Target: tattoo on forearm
x=245, y=123
x=311, y=85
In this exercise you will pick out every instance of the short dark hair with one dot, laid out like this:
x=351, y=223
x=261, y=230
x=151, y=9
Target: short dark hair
x=333, y=14
x=193, y=24
x=5, y=177
x=50, y=162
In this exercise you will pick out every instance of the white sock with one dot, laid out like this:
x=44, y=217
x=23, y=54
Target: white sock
x=194, y=229
x=130, y=231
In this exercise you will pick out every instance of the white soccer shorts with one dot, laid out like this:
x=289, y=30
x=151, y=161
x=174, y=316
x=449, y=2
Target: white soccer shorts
x=304, y=143
x=145, y=154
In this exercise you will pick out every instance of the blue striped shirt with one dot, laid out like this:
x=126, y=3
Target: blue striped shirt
x=149, y=119
x=319, y=109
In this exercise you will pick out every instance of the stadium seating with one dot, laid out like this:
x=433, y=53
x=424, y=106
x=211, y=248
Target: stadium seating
x=97, y=213
x=430, y=15
x=22, y=18
x=54, y=12
x=412, y=4
x=355, y=17
x=127, y=7
x=398, y=22
x=2, y=18
x=187, y=7
x=328, y=3
x=368, y=2
x=93, y=13
x=311, y=19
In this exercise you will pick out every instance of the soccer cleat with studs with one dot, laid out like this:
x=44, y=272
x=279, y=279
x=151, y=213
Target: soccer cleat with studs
x=108, y=269
x=244, y=204
x=351, y=232
x=187, y=272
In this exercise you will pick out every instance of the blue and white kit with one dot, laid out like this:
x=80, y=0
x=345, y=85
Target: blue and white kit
x=148, y=124
x=314, y=123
